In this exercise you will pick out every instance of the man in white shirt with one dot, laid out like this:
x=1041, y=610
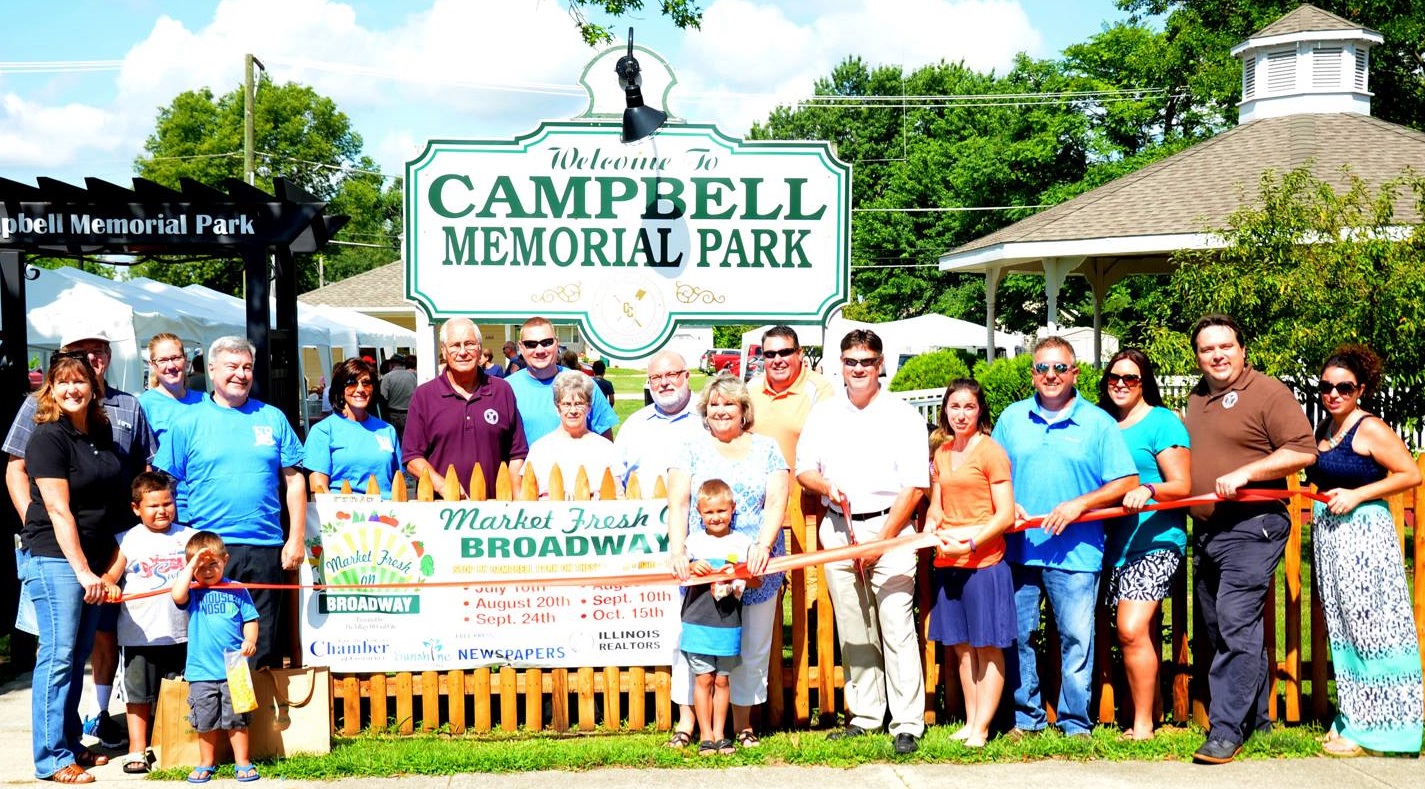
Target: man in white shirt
x=865, y=453
x=650, y=438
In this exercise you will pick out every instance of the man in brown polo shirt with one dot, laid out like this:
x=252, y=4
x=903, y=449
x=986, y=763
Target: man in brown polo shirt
x=1247, y=430
x=785, y=392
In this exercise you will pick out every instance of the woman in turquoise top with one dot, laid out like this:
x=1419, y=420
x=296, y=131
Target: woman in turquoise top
x=351, y=445
x=1359, y=569
x=1144, y=551
x=168, y=392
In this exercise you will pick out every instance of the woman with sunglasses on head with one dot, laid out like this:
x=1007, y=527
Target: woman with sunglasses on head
x=78, y=487
x=352, y=445
x=1144, y=551
x=971, y=505
x=1359, y=568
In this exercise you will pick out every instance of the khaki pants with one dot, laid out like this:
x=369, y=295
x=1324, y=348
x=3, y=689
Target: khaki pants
x=876, y=630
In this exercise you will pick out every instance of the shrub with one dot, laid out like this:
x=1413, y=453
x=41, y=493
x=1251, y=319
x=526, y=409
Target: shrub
x=929, y=371
x=1006, y=380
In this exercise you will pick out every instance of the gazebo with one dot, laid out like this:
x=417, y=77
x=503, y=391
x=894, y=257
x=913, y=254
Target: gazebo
x=1305, y=103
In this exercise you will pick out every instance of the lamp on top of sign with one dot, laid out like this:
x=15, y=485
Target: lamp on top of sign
x=684, y=223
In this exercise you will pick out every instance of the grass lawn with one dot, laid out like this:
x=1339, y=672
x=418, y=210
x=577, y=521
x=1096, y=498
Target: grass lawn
x=437, y=754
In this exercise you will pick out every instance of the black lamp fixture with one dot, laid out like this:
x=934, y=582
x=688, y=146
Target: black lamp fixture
x=639, y=121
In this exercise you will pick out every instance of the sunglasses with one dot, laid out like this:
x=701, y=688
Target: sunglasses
x=1345, y=388
x=57, y=356
x=782, y=354
x=1130, y=380
x=1058, y=367
x=871, y=361
x=532, y=344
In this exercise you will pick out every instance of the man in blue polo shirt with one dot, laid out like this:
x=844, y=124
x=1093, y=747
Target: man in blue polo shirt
x=233, y=454
x=534, y=385
x=1068, y=457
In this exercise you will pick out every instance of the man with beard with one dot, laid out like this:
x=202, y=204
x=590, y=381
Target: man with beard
x=651, y=436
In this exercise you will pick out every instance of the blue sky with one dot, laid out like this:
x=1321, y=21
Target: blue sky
x=82, y=80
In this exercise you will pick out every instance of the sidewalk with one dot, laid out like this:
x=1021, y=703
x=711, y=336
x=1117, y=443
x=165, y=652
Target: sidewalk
x=1318, y=773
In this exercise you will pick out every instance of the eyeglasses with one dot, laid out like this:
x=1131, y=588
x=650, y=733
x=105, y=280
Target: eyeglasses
x=870, y=361
x=573, y=406
x=532, y=344
x=1040, y=368
x=1345, y=388
x=1130, y=380
x=671, y=377
x=782, y=354
x=169, y=360
x=97, y=350
x=469, y=346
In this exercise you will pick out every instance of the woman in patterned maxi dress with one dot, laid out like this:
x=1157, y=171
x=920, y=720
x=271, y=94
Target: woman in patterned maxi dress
x=1359, y=568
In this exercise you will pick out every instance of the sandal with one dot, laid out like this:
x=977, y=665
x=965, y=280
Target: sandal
x=679, y=740
x=70, y=774
x=725, y=748
x=87, y=758
x=136, y=763
x=202, y=774
x=747, y=739
x=1342, y=748
x=245, y=773
x=707, y=748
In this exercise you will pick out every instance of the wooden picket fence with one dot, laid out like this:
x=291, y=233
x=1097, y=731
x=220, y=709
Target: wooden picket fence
x=634, y=697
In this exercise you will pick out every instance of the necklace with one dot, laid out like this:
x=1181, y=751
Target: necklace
x=1335, y=440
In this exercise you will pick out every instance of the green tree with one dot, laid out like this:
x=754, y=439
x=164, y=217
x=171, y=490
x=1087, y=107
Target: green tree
x=682, y=13
x=300, y=136
x=1326, y=268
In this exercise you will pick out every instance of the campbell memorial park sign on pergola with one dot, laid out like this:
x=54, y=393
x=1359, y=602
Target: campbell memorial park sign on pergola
x=627, y=239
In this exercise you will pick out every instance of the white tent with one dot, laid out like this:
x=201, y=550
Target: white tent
x=55, y=303
x=155, y=313
x=911, y=337
x=371, y=332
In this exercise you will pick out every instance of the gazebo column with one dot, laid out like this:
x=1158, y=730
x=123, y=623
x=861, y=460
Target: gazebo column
x=992, y=278
x=1056, y=270
x=1101, y=275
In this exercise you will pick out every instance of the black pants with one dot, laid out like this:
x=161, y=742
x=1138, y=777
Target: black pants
x=261, y=564
x=398, y=421
x=1233, y=565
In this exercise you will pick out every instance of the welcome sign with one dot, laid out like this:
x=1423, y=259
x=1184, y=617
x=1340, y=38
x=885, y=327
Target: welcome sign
x=569, y=223
x=407, y=596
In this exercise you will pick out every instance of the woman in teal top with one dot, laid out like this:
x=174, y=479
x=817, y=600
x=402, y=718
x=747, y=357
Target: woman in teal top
x=1144, y=551
x=352, y=445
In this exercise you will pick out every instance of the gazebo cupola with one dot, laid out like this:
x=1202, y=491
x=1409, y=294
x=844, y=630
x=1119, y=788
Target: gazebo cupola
x=1309, y=61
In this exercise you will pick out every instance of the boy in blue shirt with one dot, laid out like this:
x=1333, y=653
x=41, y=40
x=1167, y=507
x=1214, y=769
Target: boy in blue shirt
x=711, y=638
x=219, y=620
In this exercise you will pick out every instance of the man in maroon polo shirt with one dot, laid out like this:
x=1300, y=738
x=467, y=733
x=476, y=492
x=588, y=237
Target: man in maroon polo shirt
x=463, y=416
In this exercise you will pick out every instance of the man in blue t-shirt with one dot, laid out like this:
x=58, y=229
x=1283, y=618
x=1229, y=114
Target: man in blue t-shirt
x=534, y=385
x=233, y=454
x=1068, y=456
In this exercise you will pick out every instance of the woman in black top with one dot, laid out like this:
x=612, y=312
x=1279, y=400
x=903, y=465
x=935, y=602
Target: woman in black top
x=77, y=487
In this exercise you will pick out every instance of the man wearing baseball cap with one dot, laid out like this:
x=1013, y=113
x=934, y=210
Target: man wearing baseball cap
x=134, y=444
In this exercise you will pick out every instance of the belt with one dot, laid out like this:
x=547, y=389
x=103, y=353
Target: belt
x=863, y=516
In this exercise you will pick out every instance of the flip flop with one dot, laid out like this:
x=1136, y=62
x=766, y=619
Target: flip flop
x=726, y=748
x=245, y=773
x=202, y=774
x=707, y=748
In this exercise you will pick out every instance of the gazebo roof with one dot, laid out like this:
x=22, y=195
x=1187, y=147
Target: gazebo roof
x=1176, y=202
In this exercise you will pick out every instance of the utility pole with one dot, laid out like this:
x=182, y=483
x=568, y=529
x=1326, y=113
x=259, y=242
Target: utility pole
x=249, y=95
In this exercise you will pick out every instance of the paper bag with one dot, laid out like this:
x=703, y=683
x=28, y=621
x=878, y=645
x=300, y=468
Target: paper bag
x=294, y=712
x=175, y=744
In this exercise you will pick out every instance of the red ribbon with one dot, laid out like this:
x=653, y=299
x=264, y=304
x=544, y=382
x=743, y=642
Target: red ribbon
x=853, y=551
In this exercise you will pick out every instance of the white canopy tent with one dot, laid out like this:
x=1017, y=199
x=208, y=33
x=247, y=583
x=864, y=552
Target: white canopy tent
x=55, y=304
x=371, y=332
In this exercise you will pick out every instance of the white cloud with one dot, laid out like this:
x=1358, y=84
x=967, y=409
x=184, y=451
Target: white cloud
x=434, y=72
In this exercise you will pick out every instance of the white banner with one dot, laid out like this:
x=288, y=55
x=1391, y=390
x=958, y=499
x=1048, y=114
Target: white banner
x=410, y=610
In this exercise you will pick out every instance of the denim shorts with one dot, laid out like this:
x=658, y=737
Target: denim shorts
x=710, y=664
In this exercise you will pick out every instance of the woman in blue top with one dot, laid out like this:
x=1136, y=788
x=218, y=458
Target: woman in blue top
x=168, y=393
x=352, y=445
x=754, y=467
x=1360, y=572
x=1144, y=551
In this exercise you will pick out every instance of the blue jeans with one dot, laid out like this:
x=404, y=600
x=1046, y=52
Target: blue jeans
x=66, y=635
x=1072, y=596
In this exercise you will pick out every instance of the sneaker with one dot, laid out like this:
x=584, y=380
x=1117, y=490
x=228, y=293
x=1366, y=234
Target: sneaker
x=108, y=731
x=906, y=743
x=1217, y=752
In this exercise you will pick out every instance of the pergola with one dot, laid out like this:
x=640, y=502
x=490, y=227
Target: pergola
x=56, y=219
x=1306, y=104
